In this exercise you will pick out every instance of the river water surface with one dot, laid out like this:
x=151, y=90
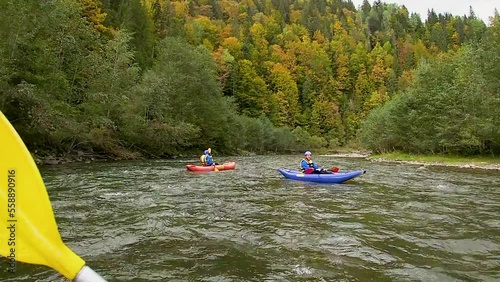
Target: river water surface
x=155, y=221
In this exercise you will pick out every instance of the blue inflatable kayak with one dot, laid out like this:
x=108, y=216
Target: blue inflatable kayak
x=337, y=177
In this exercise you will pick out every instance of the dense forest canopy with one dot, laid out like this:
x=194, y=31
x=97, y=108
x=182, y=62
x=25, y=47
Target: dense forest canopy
x=164, y=77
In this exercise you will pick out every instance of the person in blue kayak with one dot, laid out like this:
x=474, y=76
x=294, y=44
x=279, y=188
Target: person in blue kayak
x=308, y=166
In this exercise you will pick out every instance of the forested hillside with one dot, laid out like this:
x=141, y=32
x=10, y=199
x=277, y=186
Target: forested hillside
x=162, y=78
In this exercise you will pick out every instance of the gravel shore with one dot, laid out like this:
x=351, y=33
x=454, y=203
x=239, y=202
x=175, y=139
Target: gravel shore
x=423, y=164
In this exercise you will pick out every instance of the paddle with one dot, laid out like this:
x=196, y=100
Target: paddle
x=28, y=230
x=310, y=170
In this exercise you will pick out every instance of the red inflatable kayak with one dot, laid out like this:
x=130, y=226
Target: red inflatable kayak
x=224, y=166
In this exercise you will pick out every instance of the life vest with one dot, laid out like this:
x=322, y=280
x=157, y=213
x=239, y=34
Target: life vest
x=203, y=159
x=310, y=163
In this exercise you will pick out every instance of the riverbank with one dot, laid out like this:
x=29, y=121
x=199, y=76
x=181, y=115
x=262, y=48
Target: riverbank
x=481, y=162
x=475, y=162
x=78, y=156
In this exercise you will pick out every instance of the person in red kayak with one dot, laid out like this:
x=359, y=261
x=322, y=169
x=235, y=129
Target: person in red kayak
x=206, y=158
x=203, y=158
x=308, y=166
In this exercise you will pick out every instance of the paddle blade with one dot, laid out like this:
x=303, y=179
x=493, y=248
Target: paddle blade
x=28, y=230
x=335, y=169
x=309, y=170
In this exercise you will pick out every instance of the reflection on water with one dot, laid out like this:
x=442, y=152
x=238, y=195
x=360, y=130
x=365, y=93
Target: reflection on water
x=155, y=221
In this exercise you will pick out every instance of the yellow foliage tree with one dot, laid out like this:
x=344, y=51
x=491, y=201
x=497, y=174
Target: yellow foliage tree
x=287, y=95
x=92, y=11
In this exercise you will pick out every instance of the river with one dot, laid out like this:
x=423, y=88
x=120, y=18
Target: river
x=155, y=221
